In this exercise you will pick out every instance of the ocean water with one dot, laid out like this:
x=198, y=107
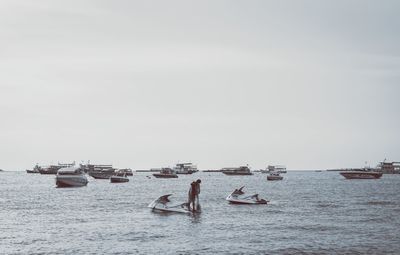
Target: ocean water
x=309, y=213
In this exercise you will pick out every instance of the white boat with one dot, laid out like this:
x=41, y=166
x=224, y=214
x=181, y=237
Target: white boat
x=185, y=168
x=278, y=168
x=238, y=196
x=166, y=173
x=274, y=176
x=164, y=204
x=243, y=170
x=53, y=169
x=99, y=171
x=119, y=177
x=71, y=177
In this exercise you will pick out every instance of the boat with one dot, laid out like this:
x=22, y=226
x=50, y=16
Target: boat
x=185, y=168
x=71, y=177
x=243, y=170
x=238, y=196
x=119, y=177
x=361, y=174
x=164, y=204
x=127, y=171
x=274, y=176
x=389, y=167
x=99, y=171
x=277, y=168
x=166, y=173
x=35, y=170
x=53, y=169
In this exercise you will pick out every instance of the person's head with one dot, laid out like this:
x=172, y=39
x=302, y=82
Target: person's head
x=198, y=181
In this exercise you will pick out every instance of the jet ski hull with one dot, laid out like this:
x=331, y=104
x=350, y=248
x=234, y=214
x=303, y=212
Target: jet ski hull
x=239, y=197
x=163, y=204
x=239, y=201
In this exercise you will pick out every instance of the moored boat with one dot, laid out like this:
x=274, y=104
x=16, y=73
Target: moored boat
x=71, y=177
x=53, y=169
x=185, y=168
x=119, y=177
x=274, y=176
x=242, y=170
x=361, y=174
x=99, y=171
x=277, y=168
x=127, y=171
x=166, y=173
x=35, y=170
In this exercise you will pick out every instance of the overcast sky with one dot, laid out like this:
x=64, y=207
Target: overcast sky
x=142, y=84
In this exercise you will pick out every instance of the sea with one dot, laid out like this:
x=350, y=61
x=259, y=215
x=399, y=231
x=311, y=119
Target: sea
x=309, y=213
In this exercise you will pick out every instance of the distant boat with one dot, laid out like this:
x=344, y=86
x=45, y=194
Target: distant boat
x=127, y=171
x=119, y=177
x=274, y=176
x=389, y=167
x=99, y=171
x=185, y=168
x=35, y=170
x=243, y=170
x=166, y=173
x=53, y=169
x=71, y=177
x=278, y=168
x=361, y=174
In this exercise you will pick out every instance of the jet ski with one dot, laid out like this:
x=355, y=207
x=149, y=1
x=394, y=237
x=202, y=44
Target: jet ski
x=239, y=197
x=164, y=204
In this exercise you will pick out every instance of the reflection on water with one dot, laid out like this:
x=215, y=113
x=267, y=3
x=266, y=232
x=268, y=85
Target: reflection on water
x=310, y=213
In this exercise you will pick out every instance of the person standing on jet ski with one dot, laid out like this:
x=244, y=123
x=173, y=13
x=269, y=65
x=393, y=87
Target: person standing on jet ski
x=194, y=192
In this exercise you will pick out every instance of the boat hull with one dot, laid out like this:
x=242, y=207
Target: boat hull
x=164, y=205
x=245, y=200
x=361, y=175
x=227, y=173
x=274, y=178
x=101, y=175
x=54, y=172
x=71, y=181
x=32, y=171
x=117, y=179
x=165, y=176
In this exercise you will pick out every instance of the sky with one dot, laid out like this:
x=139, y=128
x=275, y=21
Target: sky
x=145, y=84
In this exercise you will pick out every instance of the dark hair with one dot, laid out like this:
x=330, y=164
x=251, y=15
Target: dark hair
x=198, y=181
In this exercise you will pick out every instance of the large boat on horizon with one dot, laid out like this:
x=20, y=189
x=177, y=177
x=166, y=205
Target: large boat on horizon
x=185, y=168
x=99, y=171
x=388, y=167
x=166, y=173
x=53, y=169
x=363, y=173
x=275, y=168
x=242, y=170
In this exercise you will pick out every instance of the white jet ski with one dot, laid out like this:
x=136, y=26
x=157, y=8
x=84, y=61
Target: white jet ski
x=163, y=204
x=239, y=197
